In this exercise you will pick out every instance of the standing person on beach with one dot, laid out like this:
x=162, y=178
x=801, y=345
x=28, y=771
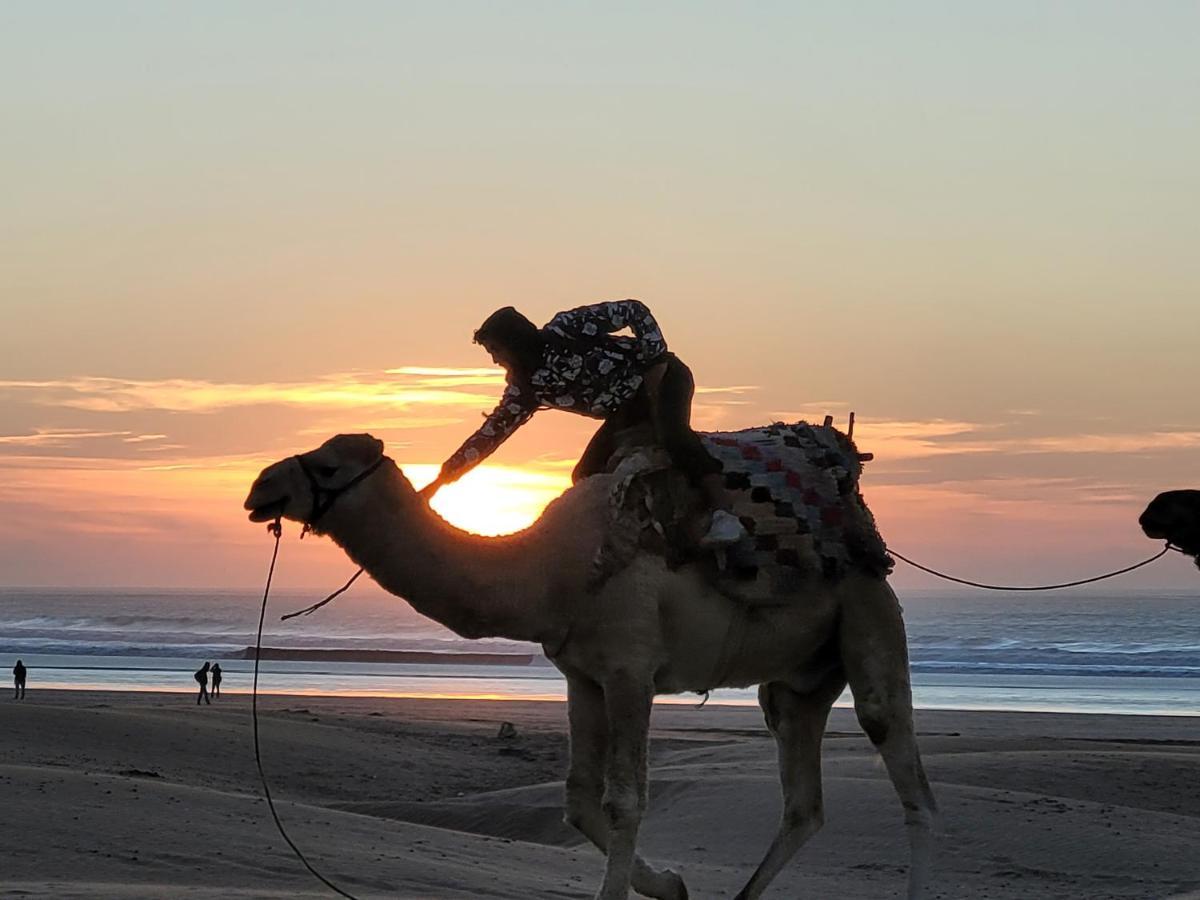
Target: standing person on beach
x=577, y=362
x=215, y=671
x=201, y=677
x=19, y=671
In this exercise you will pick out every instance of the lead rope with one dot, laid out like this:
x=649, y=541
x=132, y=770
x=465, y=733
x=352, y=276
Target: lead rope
x=1041, y=587
x=734, y=626
x=309, y=610
x=276, y=528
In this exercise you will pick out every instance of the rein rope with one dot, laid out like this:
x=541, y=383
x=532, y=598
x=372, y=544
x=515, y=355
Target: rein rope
x=1039, y=587
x=309, y=610
x=276, y=528
x=319, y=508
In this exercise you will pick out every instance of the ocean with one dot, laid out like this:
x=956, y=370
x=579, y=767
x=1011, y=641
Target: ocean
x=1071, y=651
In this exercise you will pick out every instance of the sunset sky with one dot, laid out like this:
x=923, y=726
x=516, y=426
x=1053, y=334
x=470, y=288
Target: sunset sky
x=229, y=231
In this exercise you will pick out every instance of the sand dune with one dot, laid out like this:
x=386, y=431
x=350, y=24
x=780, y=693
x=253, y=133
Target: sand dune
x=109, y=796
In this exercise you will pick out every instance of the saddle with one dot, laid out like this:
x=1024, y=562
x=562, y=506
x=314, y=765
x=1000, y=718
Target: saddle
x=795, y=488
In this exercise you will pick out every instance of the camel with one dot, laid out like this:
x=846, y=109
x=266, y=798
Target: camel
x=646, y=630
x=1174, y=516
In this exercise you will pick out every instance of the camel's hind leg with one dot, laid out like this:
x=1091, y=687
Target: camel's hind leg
x=875, y=655
x=797, y=720
x=585, y=787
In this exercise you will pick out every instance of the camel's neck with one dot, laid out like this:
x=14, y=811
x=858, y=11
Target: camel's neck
x=475, y=586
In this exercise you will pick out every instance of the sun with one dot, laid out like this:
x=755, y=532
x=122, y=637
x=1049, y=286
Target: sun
x=493, y=500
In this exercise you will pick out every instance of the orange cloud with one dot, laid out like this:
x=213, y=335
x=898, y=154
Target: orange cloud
x=732, y=389
x=142, y=438
x=114, y=395
x=1111, y=443
x=941, y=485
x=59, y=437
x=450, y=377
x=491, y=372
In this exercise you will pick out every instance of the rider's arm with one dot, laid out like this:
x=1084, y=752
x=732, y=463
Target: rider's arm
x=515, y=407
x=606, y=318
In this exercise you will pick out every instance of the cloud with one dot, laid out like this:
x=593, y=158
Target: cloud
x=1111, y=443
x=448, y=372
x=43, y=437
x=896, y=439
x=62, y=437
x=376, y=425
x=349, y=390
x=433, y=376
x=731, y=389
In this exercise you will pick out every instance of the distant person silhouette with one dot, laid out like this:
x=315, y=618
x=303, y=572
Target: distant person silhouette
x=19, y=681
x=215, y=671
x=201, y=677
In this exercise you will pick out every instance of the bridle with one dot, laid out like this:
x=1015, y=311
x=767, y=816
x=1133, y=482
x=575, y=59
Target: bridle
x=323, y=498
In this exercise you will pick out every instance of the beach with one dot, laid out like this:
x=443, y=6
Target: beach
x=142, y=794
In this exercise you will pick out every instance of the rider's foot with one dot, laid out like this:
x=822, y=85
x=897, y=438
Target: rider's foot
x=726, y=529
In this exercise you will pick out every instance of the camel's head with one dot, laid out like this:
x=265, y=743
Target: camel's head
x=1175, y=516
x=303, y=487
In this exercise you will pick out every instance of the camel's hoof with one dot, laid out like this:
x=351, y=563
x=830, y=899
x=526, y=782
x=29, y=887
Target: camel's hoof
x=677, y=890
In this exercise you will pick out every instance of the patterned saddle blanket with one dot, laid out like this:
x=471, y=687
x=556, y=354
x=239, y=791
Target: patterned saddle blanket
x=795, y=488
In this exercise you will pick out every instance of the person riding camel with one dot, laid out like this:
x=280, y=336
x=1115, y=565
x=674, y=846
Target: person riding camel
x=578, y=363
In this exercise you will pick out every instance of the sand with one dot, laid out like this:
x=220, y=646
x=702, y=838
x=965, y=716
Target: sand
x=111, y=795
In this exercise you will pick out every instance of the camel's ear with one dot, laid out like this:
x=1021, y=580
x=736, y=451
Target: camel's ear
x=377, y=445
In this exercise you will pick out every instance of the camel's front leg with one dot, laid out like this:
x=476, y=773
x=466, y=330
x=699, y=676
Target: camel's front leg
x=585, y=787
x=628, y=697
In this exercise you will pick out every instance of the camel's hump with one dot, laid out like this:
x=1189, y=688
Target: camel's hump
x=796, y=489
x=794, y=486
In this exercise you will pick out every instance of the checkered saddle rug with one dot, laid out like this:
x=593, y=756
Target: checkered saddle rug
x=794, y=487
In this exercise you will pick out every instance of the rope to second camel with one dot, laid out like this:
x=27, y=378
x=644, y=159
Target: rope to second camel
x=1041, y=587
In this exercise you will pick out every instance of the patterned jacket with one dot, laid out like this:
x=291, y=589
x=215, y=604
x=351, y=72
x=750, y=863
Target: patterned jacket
x=585, y=369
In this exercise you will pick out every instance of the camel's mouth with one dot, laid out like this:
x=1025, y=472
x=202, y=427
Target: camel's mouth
x=1153, y=530
x=267, y=512
x=1188, y=544
x=1183, y=538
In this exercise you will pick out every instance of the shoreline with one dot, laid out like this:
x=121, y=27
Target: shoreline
x=1049, y=695
x=396, y=657
x=676, y=708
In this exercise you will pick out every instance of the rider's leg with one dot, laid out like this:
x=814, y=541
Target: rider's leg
x=671, y=413
x=597, y=452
